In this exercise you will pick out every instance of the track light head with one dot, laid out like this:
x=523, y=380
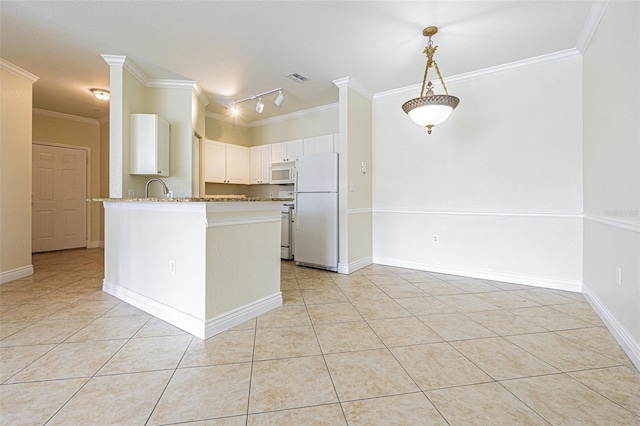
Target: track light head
x=259, y=106
x=280, y=99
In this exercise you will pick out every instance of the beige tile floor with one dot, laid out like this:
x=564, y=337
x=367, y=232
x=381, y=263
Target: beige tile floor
x=384, y=345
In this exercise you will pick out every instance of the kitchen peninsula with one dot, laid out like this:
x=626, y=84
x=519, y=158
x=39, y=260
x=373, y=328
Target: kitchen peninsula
x=201, y=264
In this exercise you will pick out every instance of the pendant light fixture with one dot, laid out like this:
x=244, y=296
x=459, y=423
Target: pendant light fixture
x=430, y=109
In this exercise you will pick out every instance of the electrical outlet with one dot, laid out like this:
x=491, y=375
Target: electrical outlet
x=170, y=194
x=435, y=239
x=172, y=267
x=618, y=275
x=131, y=193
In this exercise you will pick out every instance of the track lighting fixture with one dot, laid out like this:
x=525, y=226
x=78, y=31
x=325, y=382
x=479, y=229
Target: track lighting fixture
x=280, y=99
x=233, y=109
x=259, y=106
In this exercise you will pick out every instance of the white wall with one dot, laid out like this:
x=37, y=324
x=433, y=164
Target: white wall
x=15, y=171
x=500, y=182
x=612, y=172
x=131, y=93
x=309, y=123
x=359, y=203
x=175, y=106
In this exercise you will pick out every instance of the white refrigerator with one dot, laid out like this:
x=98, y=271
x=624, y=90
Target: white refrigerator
x=317, y=211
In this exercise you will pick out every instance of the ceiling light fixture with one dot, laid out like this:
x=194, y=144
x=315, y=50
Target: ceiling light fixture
x=430, y=109
x=280, y=99
x=103, y=95
x=233, y=109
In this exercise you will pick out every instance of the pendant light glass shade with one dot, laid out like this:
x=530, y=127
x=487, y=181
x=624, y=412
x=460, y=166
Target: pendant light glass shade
x=430, y=109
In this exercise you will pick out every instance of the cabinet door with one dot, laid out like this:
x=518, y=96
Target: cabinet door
x=163, y=146
x=318, y=145
x=254, y=165
x=214, y=162
x=278, y=152
x=237, y=164
x=294, y=150
x=149, y=145
x=265, y=163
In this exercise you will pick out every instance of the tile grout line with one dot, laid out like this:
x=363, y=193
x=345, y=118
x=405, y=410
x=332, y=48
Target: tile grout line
x=324, y=359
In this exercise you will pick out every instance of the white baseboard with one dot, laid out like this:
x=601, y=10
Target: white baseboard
x=16, y=274
x=624, y=338
x=532, y=280
x=196, y=326
x=244, y=313
x=95, y=244
x=354, y=266
x=184, y=321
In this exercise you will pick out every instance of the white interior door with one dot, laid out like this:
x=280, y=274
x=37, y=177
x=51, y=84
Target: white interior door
x=59, y=212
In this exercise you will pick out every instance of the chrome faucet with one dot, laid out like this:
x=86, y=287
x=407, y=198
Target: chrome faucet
x=164, y=187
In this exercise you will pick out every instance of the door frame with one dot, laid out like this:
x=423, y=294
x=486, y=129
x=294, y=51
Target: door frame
x=87, y=182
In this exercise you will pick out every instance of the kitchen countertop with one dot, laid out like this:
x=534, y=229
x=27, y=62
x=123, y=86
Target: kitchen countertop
x=191, y=200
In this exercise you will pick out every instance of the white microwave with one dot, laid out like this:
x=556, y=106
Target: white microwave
x=283, y=172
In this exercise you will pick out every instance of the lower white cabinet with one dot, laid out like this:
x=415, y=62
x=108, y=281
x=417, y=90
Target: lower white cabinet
x=260, y=164
x=225, y=163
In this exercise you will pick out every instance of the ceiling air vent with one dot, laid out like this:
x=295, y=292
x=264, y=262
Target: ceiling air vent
x=297, y=77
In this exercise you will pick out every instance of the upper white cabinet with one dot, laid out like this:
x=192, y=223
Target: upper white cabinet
x=286, y=151
x=319, y=145
x=237, y=164
x=225, y=163
x=149, y=145
x=260, y=164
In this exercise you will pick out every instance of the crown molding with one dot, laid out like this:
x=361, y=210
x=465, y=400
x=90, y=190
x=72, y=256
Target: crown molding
x=200, y=94
x=138, y=74
x=170, y=84
x=114, y=60
x=590, y=26
x=352, y=84
x=297, y=114
x=16, y=70
x=271, y=120
x=511, y=66
x=63, y=116
x=103, y=120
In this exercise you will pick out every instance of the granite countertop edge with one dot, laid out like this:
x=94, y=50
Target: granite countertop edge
x=190, y=200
